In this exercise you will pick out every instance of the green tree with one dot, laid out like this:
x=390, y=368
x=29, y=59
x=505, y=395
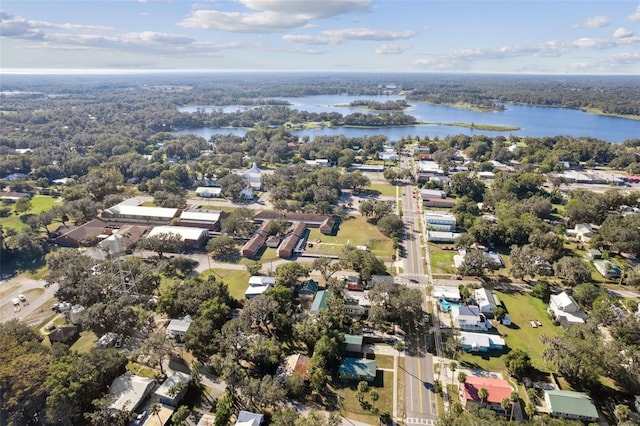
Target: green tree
x=499, y=313
x=23, y=205
x=326, y=266
x=572, y=270
x=253, y=267
x=224, y=409
x=391, y=226
x=541, y=290
x=180, y=416
x=163, y=243
x=222, y=247
x=288, y=274
x=518, y=362
x=621, y=412
x=586, y=293
x=483, y=394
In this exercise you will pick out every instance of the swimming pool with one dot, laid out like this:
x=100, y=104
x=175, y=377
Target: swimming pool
x=446, y=306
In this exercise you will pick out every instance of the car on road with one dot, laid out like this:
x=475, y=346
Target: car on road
x=22, y=298
x=16, y=302
x=413, y=280
x=140, y=418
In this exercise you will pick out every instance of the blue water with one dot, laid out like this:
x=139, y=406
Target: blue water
x=446, y=306
x=532, y=121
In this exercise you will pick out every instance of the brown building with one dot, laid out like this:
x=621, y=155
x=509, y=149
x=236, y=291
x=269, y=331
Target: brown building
x=288, y=246
x=325, y=223
x=438, y=202
x=83, y=235
x=254, y=245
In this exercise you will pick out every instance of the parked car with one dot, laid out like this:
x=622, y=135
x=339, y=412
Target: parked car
x=22, y=298
x=140, y=418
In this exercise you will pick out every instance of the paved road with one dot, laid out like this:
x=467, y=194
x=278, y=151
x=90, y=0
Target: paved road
x=420, y=400
x=22, y=285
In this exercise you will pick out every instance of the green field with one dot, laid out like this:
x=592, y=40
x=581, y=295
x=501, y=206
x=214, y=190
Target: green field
x=383, y=188
x=355, y=231
x=351, y=407
x=236, y=280
x=521, y=308
x=39, y=204
x=441, y=260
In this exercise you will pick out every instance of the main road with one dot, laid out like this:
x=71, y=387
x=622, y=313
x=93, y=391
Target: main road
x=420, y=399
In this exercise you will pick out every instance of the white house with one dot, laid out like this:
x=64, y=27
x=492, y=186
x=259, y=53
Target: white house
x=469, y=318
x=450, y=294
x=322, y=162
x=177, y=328
x=253, y=177
x=247, y=418
x=439, y=221
x=564, y=306
x=485, y=300
x=441, y=236
x=247, y=193
x=258, y=284
x=480, y=342
x=208, y=192
x=128, y=391
x=166, y=392
x=581, y=232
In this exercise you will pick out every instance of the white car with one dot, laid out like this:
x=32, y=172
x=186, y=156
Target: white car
x=22, y=298
x=16, y=302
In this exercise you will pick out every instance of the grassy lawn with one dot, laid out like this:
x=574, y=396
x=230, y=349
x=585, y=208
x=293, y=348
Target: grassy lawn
x=39, y=204
x=351, y=407
x=237, y=280
x=356, y=232
x=141, y=370
x=441, y=260
x=85, y=343
x=384, y=361
x=521, y=309
x=454, y=395
x=383, y=188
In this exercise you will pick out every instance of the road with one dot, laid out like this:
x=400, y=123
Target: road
x=420, y=399
x=36, y=295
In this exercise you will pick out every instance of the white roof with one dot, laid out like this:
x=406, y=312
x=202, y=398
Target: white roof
x=257, y=280
x=441, y=235
x=187, y=233
x=180, y=325
x=562, y=300
x=432, y=214
x=128, y=210
x=208, y=190
x=174, y=379
x=129, y=390
x=253, y=171
x=440, y=291
x=201, y=216
x=484, y=297
x=480, y=339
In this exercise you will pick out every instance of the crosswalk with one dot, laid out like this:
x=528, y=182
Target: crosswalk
x=419, y=421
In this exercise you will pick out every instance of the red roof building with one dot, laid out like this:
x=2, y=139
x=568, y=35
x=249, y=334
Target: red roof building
x=498, y=389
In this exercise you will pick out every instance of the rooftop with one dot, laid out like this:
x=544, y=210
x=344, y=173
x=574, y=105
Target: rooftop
x=568, y=402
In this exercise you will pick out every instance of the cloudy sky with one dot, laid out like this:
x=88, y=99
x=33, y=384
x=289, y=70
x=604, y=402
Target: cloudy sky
x=514, y=36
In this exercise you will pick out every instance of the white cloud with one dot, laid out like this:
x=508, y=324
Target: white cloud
x=19, y=27
x=595, y=22
x=622, y=33
x=391, y=49
x=306, y=39
x=271, y=15
x=367, y=34
x=635, y=16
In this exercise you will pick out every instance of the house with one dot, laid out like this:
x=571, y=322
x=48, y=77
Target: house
x=84, y=235
x=581, y=232
x=371, y=168
x=485, y=300
x=480, y=342
x=564, y=307
x=492, y=259
x=322, y=162
x=273, y=241
x=358, y=369
x=107, y=340
x=469, y=318
x=207, y=219
x=258, y=284
x=439, y=221
x=450, y=294
x=192, y=237
x=290, y=242
x=129, y=212
x=593, y=254
x=353, y=343
x=607, y=268
x=177, y=328
x=209, y=192
x=293, y=364
x=356, y=303
x=247, y=418
x=12, y=197
x=426, y=194
x=122, y=239
x=498, y=389
x=319, y=302
x=571, y=405
x=247, y=193
x=255, y=243
x=167, y=394
x=128, y=391
x=253, y=177
x=308, y=289
x=441, y=236
x=66, y=334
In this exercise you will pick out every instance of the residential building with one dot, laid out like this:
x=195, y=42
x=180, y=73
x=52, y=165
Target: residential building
x=581, y=232
x=498, y=389
x=438, y=202
x=358, y=369
x=426, y=194
x=485, y=300
x=439, y=221
x=371, y=168
x=308, y=289
x=469, y=318
x=12, y=197
x=571, y=405
x=177, y=328
x=325, y=223
x=247, y=193
x=192, y=237
x=128, y=391
x=247, y=418
x=480, y=342
x=166, y=392
x=322, y=162
x=353, y=343
x=357, y=303
x=209, y=192
x=258, y=285
x=290, y=243
x=293, y=364
x=66, y=334
x=273, y=241
x=607, y=268
x=319, y=302
x=565, y=308
x=450, y=294
x=253, y=177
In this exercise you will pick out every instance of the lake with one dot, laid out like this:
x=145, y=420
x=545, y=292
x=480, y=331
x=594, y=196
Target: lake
x=532, y=120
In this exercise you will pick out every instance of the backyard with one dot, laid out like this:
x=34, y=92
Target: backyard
x=354, y=409
x=236, y=279
x=39, y=204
